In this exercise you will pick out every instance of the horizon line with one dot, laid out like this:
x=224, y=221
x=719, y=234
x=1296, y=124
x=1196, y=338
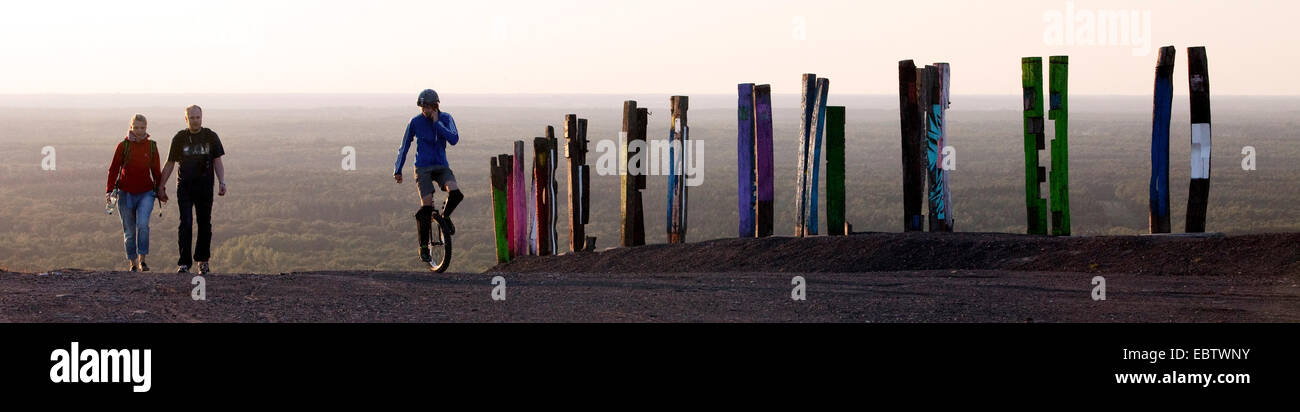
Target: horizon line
x=539, y=94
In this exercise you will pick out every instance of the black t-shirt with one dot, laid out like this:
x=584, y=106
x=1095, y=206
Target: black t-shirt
x=194, y=153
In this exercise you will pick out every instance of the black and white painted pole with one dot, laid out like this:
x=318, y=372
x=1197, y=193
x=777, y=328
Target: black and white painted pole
x=1198, y=77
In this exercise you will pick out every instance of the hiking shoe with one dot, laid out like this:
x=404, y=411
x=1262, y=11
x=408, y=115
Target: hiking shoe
x=203, y=268
x=144, y=267
x=425, y=256
x=183, y=269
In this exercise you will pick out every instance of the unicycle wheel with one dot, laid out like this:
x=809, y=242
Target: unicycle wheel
x=439, y=246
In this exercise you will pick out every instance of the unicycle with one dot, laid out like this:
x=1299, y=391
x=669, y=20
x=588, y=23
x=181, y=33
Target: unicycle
x=439, y=245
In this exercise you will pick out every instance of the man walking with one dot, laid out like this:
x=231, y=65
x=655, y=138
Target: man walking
x=198, y=151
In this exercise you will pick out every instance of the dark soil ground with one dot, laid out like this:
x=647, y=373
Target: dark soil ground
x=875, y=277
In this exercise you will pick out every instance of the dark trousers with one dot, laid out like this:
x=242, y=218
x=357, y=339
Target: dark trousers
x=194, y=200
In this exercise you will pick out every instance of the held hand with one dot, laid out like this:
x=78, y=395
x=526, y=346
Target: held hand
x=222, y=191
x=162, y=194
x=398, y=178
x=108, y=197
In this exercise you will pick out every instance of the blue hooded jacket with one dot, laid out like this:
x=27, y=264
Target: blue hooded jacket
x=431, y=141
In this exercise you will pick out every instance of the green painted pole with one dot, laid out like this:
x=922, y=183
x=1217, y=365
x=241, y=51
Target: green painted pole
x=835, y=171
x=499, y=216
x=1059, y=114
x=1031, y=79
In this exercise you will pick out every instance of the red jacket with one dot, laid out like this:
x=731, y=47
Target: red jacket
x=141, y=171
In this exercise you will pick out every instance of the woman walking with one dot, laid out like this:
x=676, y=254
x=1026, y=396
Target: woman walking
x=133, y=178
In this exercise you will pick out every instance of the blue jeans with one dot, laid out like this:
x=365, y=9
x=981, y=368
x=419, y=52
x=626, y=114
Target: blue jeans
x=135, y=209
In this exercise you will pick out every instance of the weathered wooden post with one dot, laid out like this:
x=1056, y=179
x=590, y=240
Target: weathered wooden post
x=1036, y=208
x=941, y=219
x=627, y=185
x=815, y=160
x=638, y=215
x=933, y=143
x=633, y=177
x=948, y=217
x=552, y=202
x=500, y=216
x=510, y=206
x=1198, y=196
x=808, y=105
x=912, y=120
x=531, y=206
x=1031, y=78
x=1158, y=204
x=571, y=141
x=588, y=242
x=745, y=140
x=763, y=216
x=754, y=160
x=835, y=224
x=1059, y=114
x=575, y=150
x=541, y=197
x=678, y=143
x=519, y=202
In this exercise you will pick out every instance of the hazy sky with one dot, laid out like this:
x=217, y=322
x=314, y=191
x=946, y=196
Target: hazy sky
x=661, y=46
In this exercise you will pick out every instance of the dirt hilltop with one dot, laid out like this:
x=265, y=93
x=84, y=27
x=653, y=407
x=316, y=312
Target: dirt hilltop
x=876, y=277
x=1261, y=254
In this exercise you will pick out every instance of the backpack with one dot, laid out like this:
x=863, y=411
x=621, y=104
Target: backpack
x=126, y=149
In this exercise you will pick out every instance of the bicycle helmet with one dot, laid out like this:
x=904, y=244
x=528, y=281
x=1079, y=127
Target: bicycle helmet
x=427, y=98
